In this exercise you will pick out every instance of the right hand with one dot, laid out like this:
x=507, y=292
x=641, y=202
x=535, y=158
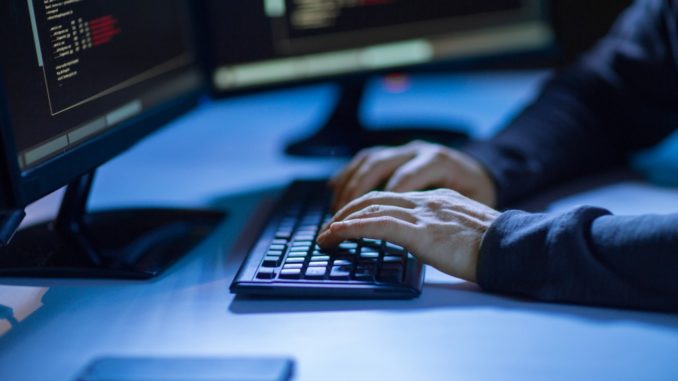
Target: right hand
x=442, y=228
x=415, y=166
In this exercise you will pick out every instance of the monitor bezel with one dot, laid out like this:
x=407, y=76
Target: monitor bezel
x=545, y=54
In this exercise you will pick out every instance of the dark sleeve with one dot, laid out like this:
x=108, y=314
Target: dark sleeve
x=619, y=98
x=586, y=256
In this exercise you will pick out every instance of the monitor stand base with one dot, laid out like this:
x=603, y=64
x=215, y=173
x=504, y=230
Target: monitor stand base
x=120, y=244
x=343, y=135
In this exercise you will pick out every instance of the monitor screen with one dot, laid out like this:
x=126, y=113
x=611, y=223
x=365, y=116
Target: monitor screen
x=80, y=68
x=256, y=43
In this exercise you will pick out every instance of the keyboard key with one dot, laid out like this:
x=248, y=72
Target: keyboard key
x=283, y=234
x=320, y=258
x=342, y=262
x=368, y=261
x=369, y=255
x=371, y=242
x=302, y=243
x=392, y=259
x=348, y=246
x=278, y=247
x=316, y=272
x=274, y=253
x=305, y=237
x=297, y=254
x=290, y=266
x=318, y=264
x=290, y=274
x=272, y=261
x=279, y=242
x=341, y=273
x=295, y=260
x=365, y=273
x=393, y=248
x=266, y=273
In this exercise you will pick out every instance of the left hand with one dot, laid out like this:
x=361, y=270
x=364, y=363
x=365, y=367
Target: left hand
x=442, y=228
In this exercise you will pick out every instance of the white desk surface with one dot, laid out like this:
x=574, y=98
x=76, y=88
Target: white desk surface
x=228, y=155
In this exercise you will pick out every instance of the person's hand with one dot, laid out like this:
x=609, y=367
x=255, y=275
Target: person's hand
x=413, y=167
x=442, y=228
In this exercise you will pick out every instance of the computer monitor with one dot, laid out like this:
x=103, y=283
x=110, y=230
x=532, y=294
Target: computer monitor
x=80, y=82
x=262, y=44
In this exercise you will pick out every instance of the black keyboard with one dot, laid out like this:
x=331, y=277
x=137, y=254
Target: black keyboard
x=286, y=261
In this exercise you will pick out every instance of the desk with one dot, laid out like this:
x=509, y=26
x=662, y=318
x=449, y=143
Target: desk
x=228, y=155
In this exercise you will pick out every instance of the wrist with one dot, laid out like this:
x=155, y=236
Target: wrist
x=478, y=249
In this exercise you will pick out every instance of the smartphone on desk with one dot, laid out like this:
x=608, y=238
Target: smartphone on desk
x=188, y=369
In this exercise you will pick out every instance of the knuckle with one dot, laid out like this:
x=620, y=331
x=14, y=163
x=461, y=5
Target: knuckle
x=373, y=209
x=372, y=195
x=439, y=154
x=434, y=204
x=445, y=193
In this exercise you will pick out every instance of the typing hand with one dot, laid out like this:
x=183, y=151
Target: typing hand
x=413, y=167
x=442, y=228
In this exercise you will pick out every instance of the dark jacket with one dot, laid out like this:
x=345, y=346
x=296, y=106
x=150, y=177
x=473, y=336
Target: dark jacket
x=618, y=99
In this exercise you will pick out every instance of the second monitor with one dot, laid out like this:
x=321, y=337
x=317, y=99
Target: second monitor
x=263, y=44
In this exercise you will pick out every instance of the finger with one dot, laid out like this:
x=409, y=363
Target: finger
x=365, y=179
x=375, y=198
x=372, y=173
x=415, y=175
x=339, y=182
x=375, y=211
x=339, y=177
x=382, y=228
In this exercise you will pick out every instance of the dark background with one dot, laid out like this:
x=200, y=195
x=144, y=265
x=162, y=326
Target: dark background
x=579, y=23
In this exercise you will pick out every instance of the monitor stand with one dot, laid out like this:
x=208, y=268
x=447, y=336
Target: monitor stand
x=344, y=134
x=123, y=244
